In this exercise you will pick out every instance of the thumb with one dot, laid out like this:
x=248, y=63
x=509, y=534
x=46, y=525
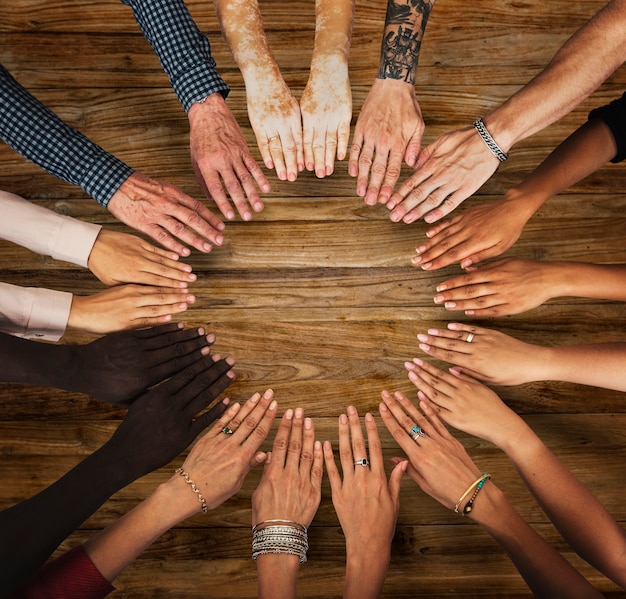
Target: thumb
x=395, y=479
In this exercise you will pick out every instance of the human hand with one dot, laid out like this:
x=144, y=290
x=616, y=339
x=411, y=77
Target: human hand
x=275, y=117
x=491, y=356
x=221, y=159
x=447, y=172
x=438, y=463
x=501, y=288
x=366, y=505
x=478, y=233
x=166, y=214
x=290, y=488
x=326, y=106
x=121, y=258
x=164, y=421
x=120, y=366
x=389, y=128
x=464, y=403
x=127, y=307
x=219, y=462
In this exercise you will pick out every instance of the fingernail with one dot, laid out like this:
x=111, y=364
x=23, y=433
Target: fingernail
x=268, y=394
x=453, y=326
x=382, y=408
x=289, y=414
x=422, y=337
x=424, y=347
x=247, y=216
x=255, y=398
x=230, y=215
x=427, y=265
x=470, y=312
x=369, y=417
x=433, y=332
x=442, y=287
x=418, y=362
x=409, y=365
x=450, y=305
x=343, y=419
x=299, y=413
x=230, y=361
x=351, y=410
x=420, y=249
x=308, y=424
x=413, y=376
x=219, y=240
x=438, y=299
x=273, y=405
x=210, y=338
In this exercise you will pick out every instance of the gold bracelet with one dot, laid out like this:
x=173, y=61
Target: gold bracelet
x=469, y=490
x=205, y=507
x=469, y=506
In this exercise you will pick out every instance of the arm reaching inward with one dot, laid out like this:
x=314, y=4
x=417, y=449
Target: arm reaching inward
x=157, y=209
x=326, y=102
x=577, y=514
x=455, y=165
x=439, y=464
x=159, y=425
x=390, y=126
x=219, y=154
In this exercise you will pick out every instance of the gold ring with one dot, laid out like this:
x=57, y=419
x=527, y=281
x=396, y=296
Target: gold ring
x=271, y=139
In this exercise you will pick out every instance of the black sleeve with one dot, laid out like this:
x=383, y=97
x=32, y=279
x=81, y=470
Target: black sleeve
x=614, y=115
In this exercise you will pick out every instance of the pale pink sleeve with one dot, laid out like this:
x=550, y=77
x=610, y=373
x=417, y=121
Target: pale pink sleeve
x=44, y=231
x=34, y=312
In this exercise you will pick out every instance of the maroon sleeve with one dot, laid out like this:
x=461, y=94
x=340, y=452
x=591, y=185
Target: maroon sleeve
x=71, y=576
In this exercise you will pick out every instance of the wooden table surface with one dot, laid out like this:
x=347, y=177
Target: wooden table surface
x=316, y=297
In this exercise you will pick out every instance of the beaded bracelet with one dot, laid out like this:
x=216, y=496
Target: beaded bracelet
x=205, y=507
x=490, y=142
x=470, y=504
x=469, y=490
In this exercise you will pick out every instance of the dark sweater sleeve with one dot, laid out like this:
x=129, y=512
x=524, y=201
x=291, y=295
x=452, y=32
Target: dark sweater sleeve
x=71, y=576
x=614, y=115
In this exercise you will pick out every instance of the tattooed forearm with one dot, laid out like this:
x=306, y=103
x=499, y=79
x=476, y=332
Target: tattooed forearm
x=405, y=24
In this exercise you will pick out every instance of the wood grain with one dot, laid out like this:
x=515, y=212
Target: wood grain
x=316, y=297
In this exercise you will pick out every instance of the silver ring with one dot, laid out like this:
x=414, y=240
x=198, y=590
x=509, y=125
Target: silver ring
x=470, y=337
x=416, y=433
x=271, y=139
x=227, y=430
x=361, y=462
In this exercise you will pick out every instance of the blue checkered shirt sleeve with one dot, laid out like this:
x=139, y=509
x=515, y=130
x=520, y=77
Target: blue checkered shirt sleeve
x=184, y=52
x=39, y=135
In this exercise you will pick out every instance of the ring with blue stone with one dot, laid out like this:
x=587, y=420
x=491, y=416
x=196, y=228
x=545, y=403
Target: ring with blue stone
x=416, y=433
x=361, y=462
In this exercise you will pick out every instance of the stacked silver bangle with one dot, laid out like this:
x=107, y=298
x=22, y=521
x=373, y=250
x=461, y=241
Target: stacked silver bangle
x=280, y=536
x=490, y=142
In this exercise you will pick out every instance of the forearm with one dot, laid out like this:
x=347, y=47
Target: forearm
x=184, y=52
x=333, y=30
x=33, y=363
x=582, y=153
x=242, y=26
x=33, y=529
x=576, y=70
x=66, y=153
x=365, y=574
x=545, y=571
x=405, y=24
x=277, y=576
x=112, y=549
x=580, y=518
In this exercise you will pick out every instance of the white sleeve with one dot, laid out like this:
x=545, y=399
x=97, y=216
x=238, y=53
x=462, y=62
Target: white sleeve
x=34, y=312
x=44, y=231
